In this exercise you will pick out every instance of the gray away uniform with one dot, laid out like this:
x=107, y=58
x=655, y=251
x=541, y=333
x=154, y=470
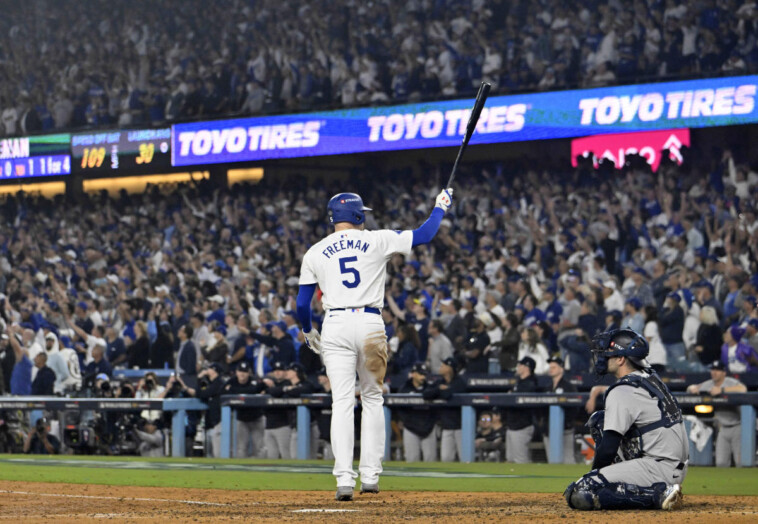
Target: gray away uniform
x=655, y=447
x=728, y=439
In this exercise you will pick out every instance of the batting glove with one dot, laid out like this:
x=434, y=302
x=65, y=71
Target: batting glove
x=313, y=340
x=444, y=199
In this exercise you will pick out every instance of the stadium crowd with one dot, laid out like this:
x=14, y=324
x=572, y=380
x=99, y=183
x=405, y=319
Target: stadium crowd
x=532, y=265
x=63, y=66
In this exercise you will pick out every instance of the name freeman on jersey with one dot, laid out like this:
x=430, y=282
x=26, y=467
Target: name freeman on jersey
x=343, y=245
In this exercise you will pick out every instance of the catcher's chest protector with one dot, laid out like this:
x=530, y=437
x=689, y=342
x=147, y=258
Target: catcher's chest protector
x=671, y=413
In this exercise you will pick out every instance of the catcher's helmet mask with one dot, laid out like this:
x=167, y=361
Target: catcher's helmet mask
x=347, y=207
x=619, y=343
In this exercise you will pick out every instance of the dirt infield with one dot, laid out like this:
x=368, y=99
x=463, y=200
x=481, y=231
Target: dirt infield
x=28, y=501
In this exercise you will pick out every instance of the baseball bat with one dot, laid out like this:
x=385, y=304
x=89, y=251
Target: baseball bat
x=481, y=98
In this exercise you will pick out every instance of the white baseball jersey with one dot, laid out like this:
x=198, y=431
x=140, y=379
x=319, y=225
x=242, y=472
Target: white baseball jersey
x=350, y=266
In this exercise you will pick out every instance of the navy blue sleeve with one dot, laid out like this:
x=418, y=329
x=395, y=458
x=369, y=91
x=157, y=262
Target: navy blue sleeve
x=304, y=297
x=425, y=233
x=607, y=450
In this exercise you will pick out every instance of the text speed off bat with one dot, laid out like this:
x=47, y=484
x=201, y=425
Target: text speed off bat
x=481, y=98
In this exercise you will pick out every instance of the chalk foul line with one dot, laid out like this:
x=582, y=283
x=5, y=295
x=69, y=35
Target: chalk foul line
x=102, y=497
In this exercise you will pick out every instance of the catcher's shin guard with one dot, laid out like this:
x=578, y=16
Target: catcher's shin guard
x=594, y=492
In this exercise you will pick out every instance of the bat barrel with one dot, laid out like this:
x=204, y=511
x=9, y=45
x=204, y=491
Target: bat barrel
x=481, y=98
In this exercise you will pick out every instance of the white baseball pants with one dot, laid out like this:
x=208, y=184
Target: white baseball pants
x=355, y=341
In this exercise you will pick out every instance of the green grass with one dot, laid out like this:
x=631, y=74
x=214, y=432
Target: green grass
x=539, y=478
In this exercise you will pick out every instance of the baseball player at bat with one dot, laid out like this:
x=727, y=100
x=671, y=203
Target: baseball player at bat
x=641, y=447
x=349, y=266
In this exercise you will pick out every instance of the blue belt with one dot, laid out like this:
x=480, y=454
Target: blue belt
x=373, y=310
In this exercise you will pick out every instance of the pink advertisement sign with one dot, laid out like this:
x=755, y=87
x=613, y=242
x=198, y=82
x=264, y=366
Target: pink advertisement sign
x=648, y=144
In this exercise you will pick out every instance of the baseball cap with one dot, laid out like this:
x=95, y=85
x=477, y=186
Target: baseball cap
x=291, y=313
x=610, y=284
x=753, y=322
x=557, y=360
x=217, y=298
x=102, y=376
x=486, y=319
x=420, y=367
x=737, y=332
x=705, y=283
x=277, y=366
x=297, y=367
x=446, y=301
x=215, y=366
x=82, y=305
x=450, y=361
x=281, y=325
x=635, y=302
x=717, y=364
x=674, y=296
x=243, y=366
x=751, y=300
x=99, y=342
x=616, y=314
x=528, y=362
x=640, y=271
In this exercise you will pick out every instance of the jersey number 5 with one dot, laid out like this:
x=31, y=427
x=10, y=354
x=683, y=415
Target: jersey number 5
x=345, y=270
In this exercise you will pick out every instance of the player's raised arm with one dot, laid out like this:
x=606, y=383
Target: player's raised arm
x=425, y=233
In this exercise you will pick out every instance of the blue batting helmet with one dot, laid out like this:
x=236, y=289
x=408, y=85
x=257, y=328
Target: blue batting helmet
x=347, y=207
x=619, y=343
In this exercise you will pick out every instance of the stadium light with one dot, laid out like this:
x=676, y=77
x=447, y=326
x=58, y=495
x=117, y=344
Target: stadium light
x=46, y=189
x=137, y=184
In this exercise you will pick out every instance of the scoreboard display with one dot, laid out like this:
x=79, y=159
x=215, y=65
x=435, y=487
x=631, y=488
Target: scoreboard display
x=35, y=156
x=121, y=151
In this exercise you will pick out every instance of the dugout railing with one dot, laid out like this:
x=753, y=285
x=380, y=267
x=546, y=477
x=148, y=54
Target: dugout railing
x=468, y=403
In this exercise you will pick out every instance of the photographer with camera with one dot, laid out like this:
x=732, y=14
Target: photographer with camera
x=175, y=389
x=148, y=387
x=39, y=441
x=210, y=386
x=150, y=438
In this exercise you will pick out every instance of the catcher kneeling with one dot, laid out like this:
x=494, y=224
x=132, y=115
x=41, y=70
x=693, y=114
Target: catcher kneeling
x=641, y=447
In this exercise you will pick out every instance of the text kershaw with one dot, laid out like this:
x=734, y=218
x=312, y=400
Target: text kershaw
x=343, y=245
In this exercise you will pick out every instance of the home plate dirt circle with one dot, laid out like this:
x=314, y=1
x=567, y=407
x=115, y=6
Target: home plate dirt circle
x=28, y=501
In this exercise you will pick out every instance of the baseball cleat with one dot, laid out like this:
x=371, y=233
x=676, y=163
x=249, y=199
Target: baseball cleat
x=369, y=488
x=344, y=493
x=672, y=497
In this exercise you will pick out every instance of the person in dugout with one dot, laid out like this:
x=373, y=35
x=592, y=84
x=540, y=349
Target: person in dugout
x=727, y=418
x=450, y=418
x=250, y=421
x=419, y=438
x=561, y=384
x=520, y=423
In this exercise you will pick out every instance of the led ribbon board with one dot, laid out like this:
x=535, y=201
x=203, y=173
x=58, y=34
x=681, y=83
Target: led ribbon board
x=537, y=116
